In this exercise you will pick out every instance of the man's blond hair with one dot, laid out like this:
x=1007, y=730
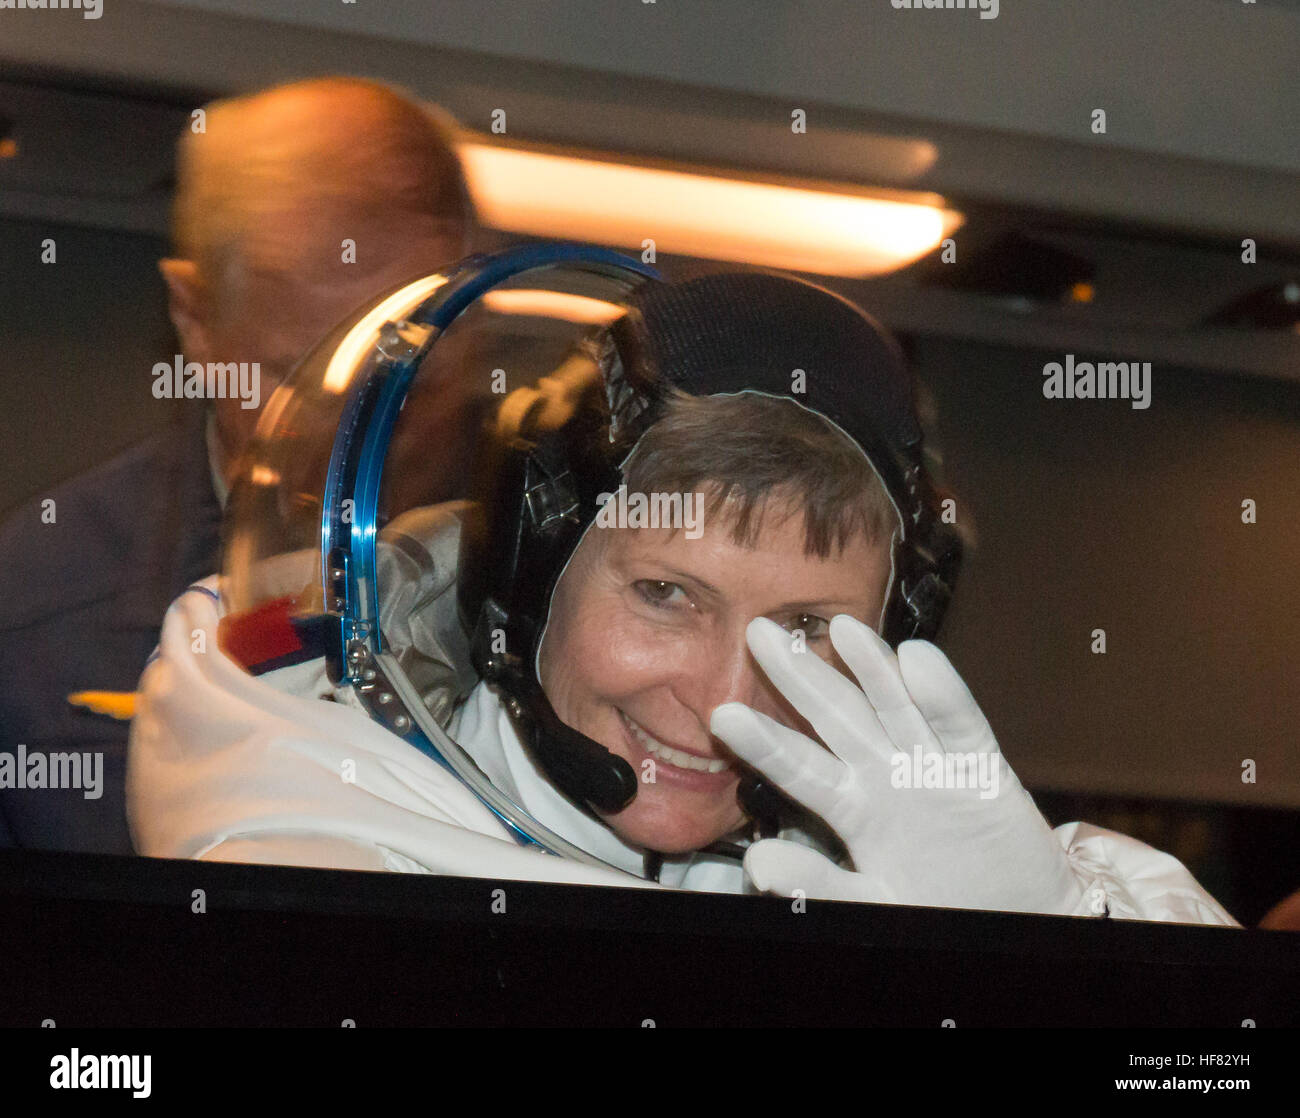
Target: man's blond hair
x=349, y=147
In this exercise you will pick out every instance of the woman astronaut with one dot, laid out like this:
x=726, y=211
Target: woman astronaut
x=667, y=618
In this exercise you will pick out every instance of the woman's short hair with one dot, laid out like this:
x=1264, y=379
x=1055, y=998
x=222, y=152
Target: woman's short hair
x=752, y=455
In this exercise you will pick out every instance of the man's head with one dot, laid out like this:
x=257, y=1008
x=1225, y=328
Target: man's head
x=646, y=634
x=294, y=206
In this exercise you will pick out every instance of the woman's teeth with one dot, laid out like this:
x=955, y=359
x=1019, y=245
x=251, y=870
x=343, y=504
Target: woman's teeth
x=674, y=757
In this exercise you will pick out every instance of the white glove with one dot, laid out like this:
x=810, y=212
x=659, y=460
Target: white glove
x=982, y=845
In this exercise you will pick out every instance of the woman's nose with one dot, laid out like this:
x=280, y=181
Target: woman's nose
x=724, y=671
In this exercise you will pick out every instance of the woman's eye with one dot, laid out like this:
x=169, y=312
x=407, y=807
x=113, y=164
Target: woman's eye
x=659, y=593
x=812, y=626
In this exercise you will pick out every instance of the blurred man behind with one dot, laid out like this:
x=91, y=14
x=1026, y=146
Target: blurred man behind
x=293, y=207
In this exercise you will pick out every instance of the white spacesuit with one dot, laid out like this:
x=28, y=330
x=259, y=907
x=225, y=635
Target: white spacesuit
x=414, y=758
x=226, y=766
x=231, y=767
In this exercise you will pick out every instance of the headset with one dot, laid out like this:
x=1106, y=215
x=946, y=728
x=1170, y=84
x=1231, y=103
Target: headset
x=547, y=487
x=542, y=490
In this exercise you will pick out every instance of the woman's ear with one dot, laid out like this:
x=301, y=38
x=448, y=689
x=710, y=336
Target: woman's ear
x=186, y=307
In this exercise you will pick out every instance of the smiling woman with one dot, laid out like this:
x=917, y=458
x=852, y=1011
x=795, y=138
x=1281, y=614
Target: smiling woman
x=719, y=706
x=783, y=415
x=647, y=625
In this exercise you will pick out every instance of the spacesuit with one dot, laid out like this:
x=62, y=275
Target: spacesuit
x=265, y=732
x=226, y=766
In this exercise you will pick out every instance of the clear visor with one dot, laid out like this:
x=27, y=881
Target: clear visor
x=349, y=501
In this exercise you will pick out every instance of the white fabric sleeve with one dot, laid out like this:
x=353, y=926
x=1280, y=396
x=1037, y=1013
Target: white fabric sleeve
x=1130, y=880
x=225, y=766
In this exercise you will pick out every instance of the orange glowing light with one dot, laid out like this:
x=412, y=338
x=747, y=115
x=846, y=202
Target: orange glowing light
x=696, y=214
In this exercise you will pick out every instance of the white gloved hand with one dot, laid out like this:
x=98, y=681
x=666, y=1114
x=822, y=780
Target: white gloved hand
x=981, y=845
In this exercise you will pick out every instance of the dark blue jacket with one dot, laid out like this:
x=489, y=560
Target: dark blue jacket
x=84, y=602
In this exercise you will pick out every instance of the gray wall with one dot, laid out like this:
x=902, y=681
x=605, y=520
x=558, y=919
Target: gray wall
x=1091, y=514
x=1226, y=71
